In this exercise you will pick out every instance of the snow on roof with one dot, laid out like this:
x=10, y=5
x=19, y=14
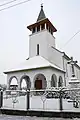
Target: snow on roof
x=33, y=63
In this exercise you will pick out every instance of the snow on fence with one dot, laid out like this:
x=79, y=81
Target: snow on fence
x=48, y=99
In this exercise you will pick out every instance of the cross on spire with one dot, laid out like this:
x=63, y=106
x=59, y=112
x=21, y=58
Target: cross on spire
x=41, y=5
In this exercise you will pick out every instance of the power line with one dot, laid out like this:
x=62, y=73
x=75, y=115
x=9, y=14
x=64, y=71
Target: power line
x=71, y=38
x=7, y=3
x=15, y=5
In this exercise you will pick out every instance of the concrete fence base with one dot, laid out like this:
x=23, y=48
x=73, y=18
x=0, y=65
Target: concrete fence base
x=56, y=114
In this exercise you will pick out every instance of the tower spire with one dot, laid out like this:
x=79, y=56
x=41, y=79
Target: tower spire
x=41, y=14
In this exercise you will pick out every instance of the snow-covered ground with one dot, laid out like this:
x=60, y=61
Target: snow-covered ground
x=8, y=117
x=36, y=103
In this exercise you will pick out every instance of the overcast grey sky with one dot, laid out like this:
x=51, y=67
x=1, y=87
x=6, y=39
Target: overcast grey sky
x=14, y=36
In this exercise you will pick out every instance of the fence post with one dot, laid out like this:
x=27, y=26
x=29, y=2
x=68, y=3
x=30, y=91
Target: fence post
x=28, y=99
x=1, y=98
x=60, y=100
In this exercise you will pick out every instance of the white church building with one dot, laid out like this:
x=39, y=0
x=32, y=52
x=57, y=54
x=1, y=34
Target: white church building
x=46, y=66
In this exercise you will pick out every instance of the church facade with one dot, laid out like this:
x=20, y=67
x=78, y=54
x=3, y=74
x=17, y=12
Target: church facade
x=46, y=66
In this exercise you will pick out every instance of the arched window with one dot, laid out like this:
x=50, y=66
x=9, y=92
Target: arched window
x=13, y=83
x=25, y=82
x=60, y=83
x=53, y=81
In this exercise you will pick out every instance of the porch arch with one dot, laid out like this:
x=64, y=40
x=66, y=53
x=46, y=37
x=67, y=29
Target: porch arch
x=13, y=83
x=60, y=82
x=25, y=82
x=40, y=81
x=53, y=80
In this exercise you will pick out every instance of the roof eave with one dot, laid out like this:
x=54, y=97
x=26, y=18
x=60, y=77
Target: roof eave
x=34, y=69
x=24, y=69
x=66, y=56
x=46, y=20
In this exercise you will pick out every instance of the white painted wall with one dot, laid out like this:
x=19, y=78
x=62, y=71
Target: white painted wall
x=43, y=38
x=55, y=56
x=45, y=41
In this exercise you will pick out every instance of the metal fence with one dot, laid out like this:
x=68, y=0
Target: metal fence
x=46, y=99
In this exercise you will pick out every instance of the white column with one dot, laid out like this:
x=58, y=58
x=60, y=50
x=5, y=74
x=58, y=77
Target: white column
x=45, y=25
x=7, y=84
x=32, y=81
x=40, y=27
x=48, y=81
x=57, y=80
x=18, y=85
x=35, y=29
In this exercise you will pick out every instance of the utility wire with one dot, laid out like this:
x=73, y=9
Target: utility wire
x=7, y=3
x=71, y=38
x=14, y=5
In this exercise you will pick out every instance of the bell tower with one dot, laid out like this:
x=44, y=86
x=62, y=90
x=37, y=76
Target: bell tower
x=42, y=36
